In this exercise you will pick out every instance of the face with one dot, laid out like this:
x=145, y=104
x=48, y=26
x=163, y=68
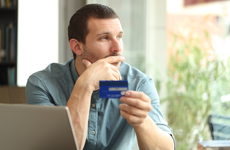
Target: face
x=103, y=40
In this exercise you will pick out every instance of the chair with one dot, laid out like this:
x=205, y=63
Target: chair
x=219, y=127
x=13, y=94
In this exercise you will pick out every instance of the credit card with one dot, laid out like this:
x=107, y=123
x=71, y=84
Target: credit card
x=113, y=89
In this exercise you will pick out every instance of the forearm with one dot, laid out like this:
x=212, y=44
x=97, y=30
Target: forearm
x=79, y=104
x=150, y=137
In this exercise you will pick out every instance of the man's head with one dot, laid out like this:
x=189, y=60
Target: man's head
x=78, y=26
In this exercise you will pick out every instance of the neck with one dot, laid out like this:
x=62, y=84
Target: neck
x=79, y=66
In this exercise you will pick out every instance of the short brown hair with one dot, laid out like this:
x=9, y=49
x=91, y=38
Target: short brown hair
x=77, y=28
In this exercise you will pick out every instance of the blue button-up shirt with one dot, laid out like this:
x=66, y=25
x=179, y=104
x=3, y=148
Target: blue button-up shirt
x=107, y=129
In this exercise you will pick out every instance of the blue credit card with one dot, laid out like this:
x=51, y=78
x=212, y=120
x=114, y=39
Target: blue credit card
x=113, y=89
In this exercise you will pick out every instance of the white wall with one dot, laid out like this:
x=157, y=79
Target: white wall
x=42, y=34
x=156, y=39
x=37, y=36
x=156, y=66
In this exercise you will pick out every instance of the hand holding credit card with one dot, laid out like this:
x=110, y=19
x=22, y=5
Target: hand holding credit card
x=113, y=89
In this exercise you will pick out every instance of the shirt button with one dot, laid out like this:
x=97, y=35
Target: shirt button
x=93, y=105
x=93, y=132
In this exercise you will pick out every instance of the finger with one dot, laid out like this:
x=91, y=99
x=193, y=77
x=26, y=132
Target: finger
x=133, y=120
x=136, y=103
x=114, y=59
x=86, y=63
x=137, y=95
x=116, y=72
x=116, y=75
x=119, y=75
x=113, y=67
x=133, y=111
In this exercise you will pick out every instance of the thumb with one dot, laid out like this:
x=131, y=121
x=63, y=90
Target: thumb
x=86, y=63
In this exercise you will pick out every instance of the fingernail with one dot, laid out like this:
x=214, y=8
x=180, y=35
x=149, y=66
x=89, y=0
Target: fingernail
x=83, y=62
x=122, y=57
x=127, y=93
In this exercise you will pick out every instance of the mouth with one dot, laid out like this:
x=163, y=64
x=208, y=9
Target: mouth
x=117, y=64
x=113, y=54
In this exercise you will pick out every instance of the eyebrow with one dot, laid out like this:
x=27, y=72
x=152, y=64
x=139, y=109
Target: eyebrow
x=121, y=32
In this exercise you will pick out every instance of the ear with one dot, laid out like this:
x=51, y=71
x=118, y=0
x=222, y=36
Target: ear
x=75, y=46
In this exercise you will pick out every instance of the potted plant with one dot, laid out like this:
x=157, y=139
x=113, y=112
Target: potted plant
x=193, y=69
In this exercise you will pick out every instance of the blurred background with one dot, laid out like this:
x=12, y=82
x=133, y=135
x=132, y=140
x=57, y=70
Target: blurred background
x=184, y=45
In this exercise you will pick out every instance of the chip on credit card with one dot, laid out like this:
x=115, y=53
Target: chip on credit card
x=113, y=89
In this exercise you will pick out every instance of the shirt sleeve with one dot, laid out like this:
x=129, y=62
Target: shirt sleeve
x=155, y=113
x=37, y=93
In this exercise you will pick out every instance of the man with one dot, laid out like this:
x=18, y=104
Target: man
x=95, y=37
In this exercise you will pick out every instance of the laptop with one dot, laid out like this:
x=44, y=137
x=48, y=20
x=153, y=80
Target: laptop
x=34, y=127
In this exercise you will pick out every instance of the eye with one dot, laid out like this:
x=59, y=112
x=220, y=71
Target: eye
x=104, y=38
x=119, y=37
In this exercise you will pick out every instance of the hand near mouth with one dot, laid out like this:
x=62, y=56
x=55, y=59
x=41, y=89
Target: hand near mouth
x=103, y=69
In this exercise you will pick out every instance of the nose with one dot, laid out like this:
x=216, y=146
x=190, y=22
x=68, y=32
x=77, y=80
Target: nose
x=116, y=46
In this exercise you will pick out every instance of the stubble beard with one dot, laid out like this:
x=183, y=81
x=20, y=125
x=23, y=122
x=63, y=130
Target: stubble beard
x=92, y=58
x=116, y=64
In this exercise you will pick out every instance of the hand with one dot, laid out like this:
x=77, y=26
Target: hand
x=136, y=107
x=101, y=70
